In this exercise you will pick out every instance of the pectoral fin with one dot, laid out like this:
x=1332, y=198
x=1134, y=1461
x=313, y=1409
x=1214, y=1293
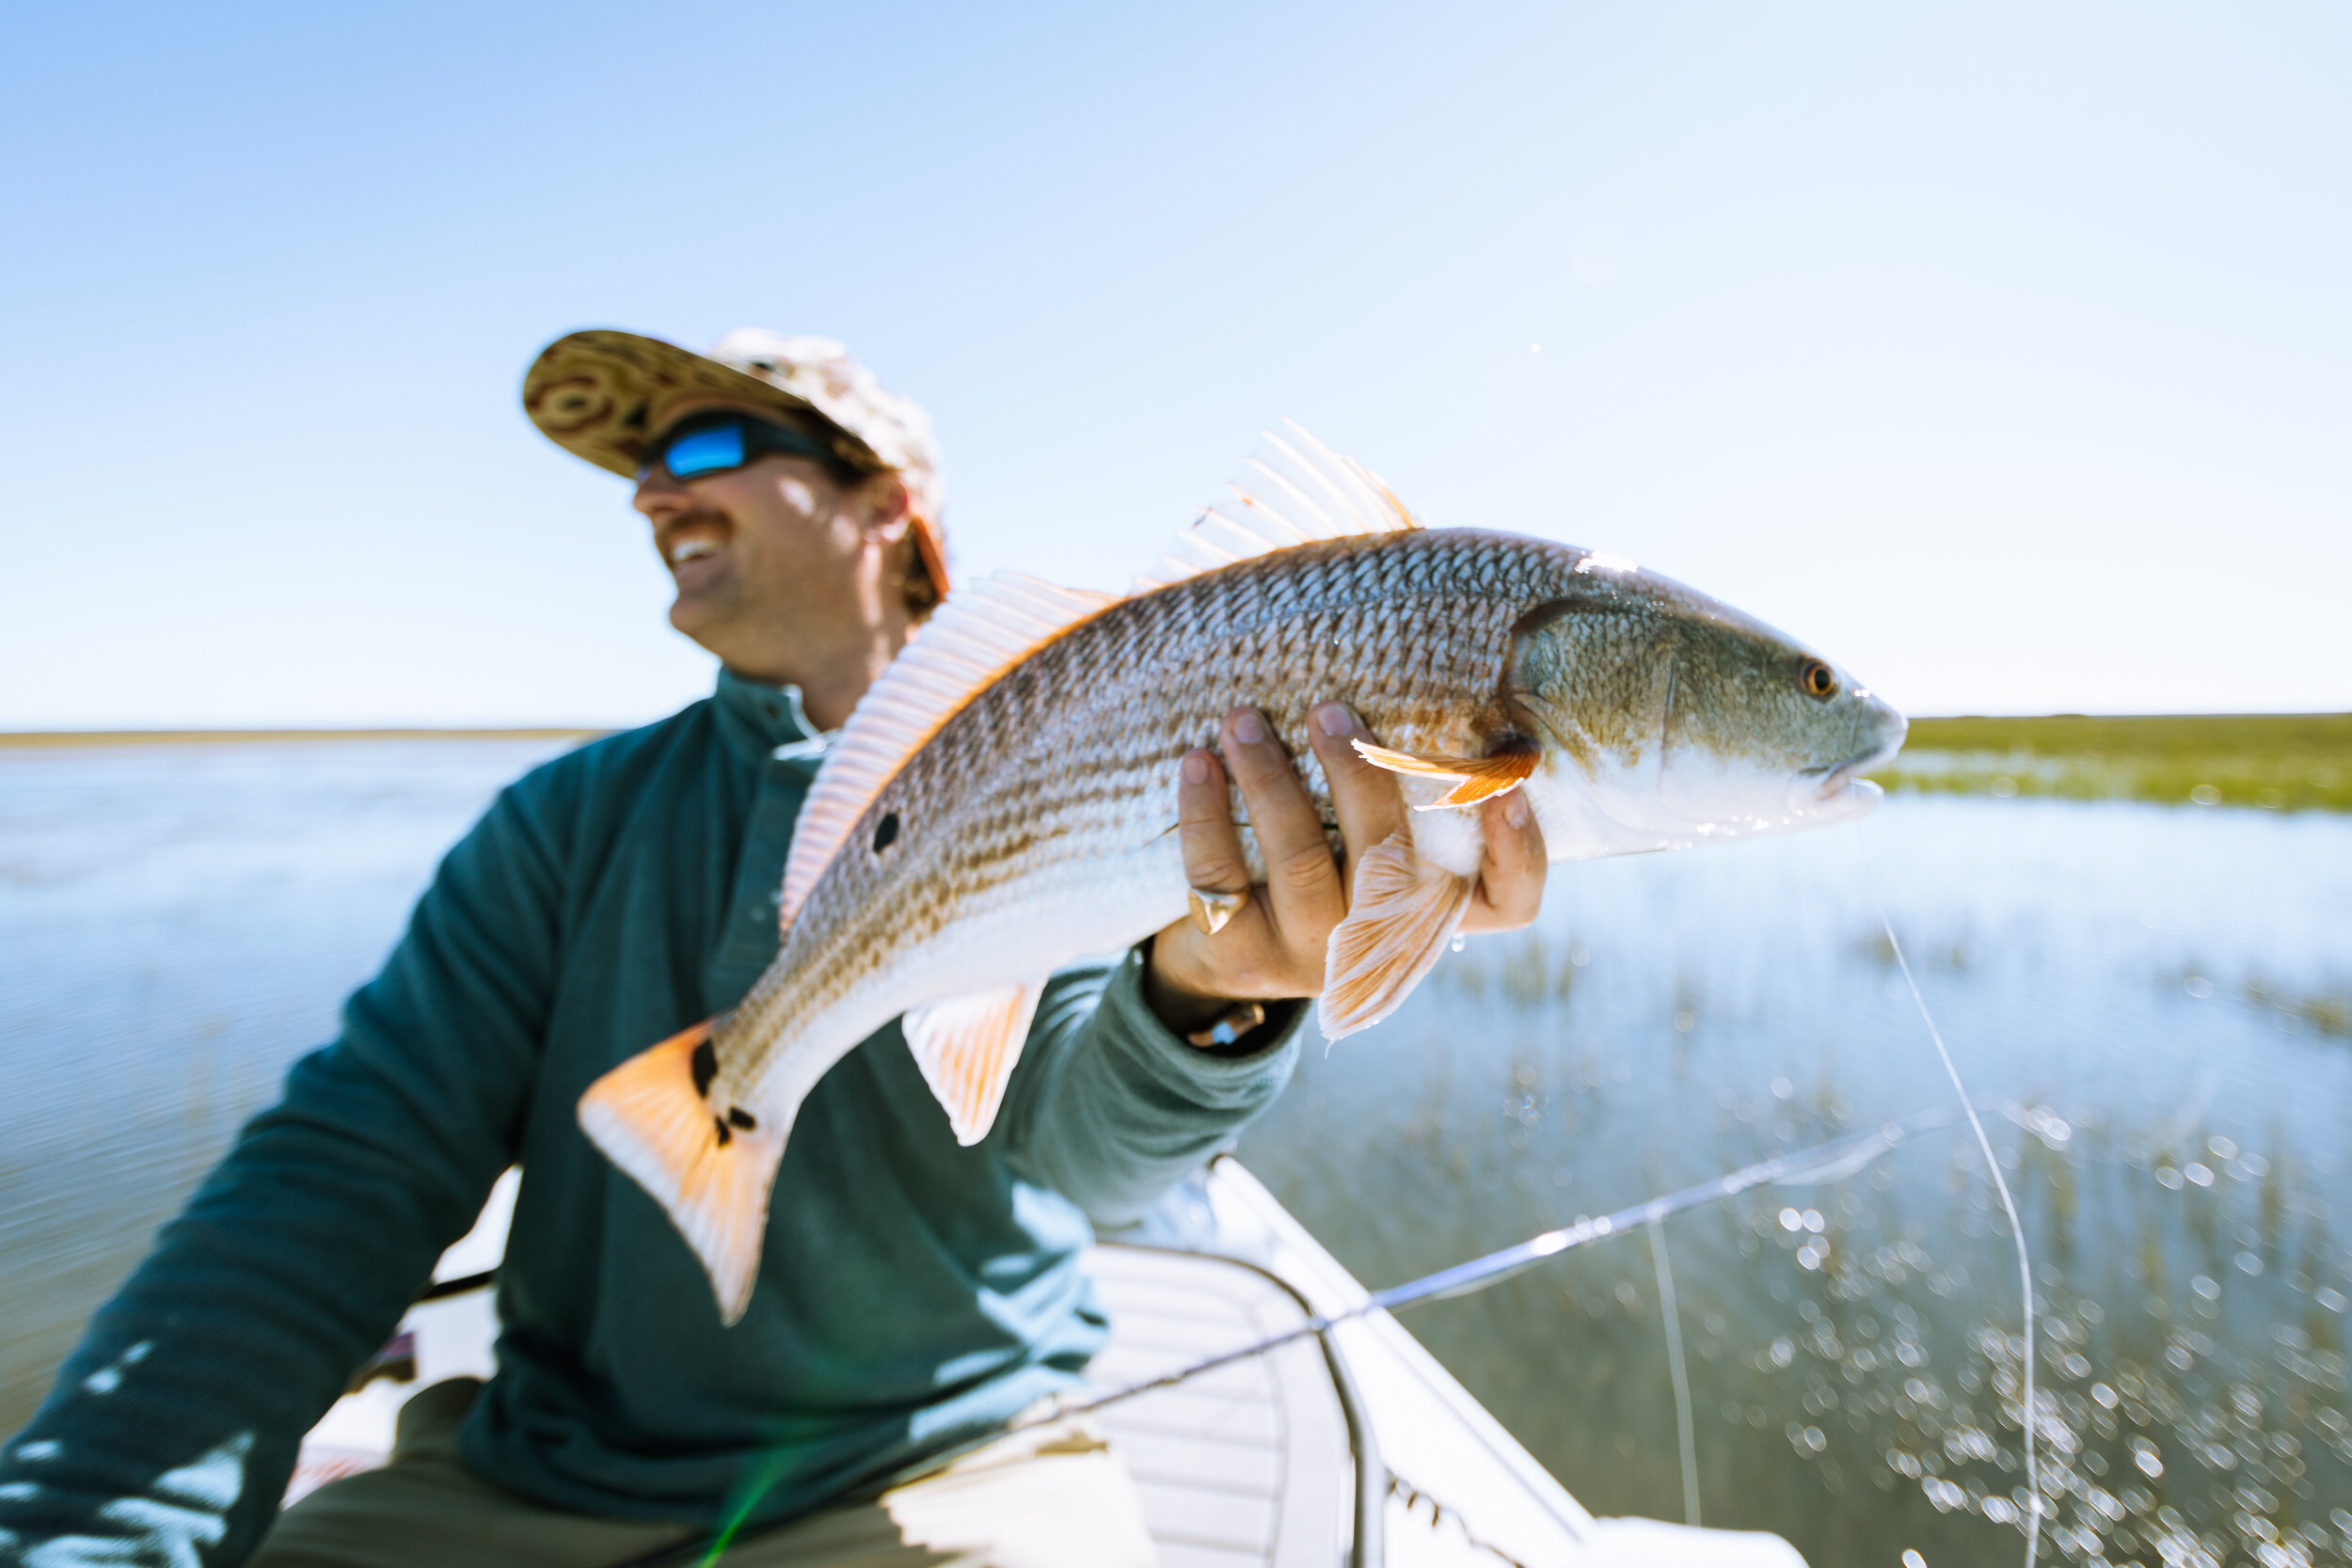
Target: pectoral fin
x=1476, y=778
x=1404, y=914
x=966, y=1047
x=710, y=1169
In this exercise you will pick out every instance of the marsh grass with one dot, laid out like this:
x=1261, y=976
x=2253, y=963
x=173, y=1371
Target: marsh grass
x=2328, y=1012
x=2272, y=762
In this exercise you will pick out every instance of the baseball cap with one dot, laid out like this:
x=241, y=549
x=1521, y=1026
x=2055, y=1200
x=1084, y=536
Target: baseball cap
x=601, y=394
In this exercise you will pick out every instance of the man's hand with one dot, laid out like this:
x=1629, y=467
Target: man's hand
x=1274, y=948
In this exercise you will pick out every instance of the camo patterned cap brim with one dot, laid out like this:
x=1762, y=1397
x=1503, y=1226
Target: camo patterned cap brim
x=600, y=394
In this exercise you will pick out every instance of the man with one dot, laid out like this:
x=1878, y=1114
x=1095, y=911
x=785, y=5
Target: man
x=913, y=1295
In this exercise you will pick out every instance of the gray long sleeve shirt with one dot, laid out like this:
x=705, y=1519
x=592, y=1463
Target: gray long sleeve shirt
x=913, y=1294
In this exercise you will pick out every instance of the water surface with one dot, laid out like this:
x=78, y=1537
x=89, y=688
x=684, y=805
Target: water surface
x=177, y=924
x=2150, y=1001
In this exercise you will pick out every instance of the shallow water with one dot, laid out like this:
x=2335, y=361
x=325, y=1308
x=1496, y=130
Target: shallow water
x=2148, y=1000
x=177, y=924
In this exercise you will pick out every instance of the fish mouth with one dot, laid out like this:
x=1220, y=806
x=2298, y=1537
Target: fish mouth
x=1841, y=781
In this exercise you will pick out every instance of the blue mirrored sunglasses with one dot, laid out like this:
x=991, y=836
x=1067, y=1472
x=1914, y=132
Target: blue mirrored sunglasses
x=704, y=444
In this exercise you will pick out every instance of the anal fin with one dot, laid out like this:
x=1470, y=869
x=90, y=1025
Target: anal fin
x=1404, y=914
x=711, y=1171
x=1475, y=777
x=967, y=1048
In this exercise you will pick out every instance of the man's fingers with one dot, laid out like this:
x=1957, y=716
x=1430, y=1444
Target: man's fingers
x=1300, y=877
x=1191, y=969
x=1275, y=945
x=1204, y=826
x=1370, y=801
x=1510, y=876
x=1250, y=956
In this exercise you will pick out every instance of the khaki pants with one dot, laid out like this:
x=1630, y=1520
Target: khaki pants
x=1049, y=1496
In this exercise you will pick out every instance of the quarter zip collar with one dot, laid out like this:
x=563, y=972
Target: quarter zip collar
x=763, y=722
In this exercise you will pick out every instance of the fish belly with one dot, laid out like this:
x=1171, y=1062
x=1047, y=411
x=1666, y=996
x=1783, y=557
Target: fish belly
x=1023, y=928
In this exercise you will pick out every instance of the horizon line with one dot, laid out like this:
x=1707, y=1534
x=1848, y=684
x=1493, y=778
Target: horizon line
x=31, y=739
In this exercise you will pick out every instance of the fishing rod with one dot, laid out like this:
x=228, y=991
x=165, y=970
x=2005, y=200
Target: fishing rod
x=1829, y=1161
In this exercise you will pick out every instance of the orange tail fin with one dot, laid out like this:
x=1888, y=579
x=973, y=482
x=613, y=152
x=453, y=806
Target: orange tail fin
x=710, y=1172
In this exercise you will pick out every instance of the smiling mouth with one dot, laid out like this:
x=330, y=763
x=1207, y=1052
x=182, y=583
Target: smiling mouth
x=690, y=549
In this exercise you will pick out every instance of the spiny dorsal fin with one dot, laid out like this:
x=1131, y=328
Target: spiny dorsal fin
x=1403, y=912
x=966, y=1047
x=977, y=635
x=1475, y=779
x=984, y=630
x=1303, y=492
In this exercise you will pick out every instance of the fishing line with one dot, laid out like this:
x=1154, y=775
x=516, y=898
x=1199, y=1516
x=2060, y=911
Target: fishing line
x=1831, y=1161
x=2000, y=1184
x=1682, y=1379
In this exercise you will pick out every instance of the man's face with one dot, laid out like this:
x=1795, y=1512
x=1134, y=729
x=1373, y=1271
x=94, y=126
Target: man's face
x=758, y=551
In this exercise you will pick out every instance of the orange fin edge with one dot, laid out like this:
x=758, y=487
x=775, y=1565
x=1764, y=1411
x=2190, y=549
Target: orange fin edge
x=651, y=1117
x=1476, y=778
x=1403, y=912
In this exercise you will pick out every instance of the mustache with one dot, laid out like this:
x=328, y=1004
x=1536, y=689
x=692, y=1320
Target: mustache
x=705, y=524
x=689, y=519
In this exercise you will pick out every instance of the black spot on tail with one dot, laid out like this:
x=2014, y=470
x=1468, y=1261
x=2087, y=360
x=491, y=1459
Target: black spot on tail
x=726, y=1133
x=743, y=1118
x=705, y=1068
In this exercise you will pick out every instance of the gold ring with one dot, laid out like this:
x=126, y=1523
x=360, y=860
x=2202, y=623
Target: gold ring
x=1212, y=909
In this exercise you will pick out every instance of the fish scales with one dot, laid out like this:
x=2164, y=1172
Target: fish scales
x=1004, y=799
x=1071, y=759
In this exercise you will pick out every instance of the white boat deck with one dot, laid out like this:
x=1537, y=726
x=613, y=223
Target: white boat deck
x=1245, y=1467
x=1441, y=1483
x=1350, y=1448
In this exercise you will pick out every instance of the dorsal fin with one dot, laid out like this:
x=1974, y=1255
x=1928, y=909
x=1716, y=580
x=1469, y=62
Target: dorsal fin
x=981, y=631
x=974, y=636
x=1303, y=492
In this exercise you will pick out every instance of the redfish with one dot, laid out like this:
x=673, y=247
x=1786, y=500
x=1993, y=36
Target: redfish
x=1003, y=801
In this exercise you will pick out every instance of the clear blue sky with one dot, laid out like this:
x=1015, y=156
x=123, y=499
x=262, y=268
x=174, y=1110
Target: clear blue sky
x=2002, y=353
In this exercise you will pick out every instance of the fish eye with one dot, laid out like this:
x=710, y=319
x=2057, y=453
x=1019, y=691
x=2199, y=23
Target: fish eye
x=1818, y=678
x=887, y=832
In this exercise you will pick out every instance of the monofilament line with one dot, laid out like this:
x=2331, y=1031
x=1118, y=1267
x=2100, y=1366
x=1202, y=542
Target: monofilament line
x=1829, y=1161
x=1840, y=1158
x=1681, y=1377
x=2009, y=1207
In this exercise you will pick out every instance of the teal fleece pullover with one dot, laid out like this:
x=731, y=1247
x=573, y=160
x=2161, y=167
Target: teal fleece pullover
x=913, y=1294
